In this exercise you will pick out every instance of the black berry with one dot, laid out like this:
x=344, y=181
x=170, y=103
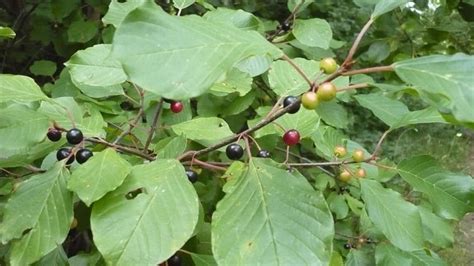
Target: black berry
x=290, y=100
x=192, y=176
x=175, y=260
x=74, y=136
x=83, y=155
x=234, y=151
x=263, y=154
x=285, y=25
x=63, y=153
x=347, y=245
x=54, y=134
x=126, y=105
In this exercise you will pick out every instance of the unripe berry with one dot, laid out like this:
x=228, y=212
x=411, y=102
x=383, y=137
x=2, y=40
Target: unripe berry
x=340, y=151
x=326, y=91
x=358, y=156
x=310, y=100
x=345, y=176
x=328, y=65
x=361, y=173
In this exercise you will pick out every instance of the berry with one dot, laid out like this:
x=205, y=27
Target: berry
x=176, y=107
x=326, y=91
x=358, y=156
x=310, y=100
x=347, y=245
x=126, y=105
x=64, y=153
x=83, y=155
x=340, y=151
x=361, y=173
x=291, y=137
x=345, y=176
x=290, y=100
x=285, y=25
x=74, y=136
x=263, y=154
x=175, y=260
x=192, y=176
x=328, y=65
x=234, y=151
x=54, y=134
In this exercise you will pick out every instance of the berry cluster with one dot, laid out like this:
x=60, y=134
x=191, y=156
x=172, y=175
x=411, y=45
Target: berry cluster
x=358, y=156
x=74, y=137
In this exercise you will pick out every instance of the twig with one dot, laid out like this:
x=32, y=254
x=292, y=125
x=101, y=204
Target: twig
x=354, y=87
x=121, y=148
x=135, y=121
x=356, y=43
x=292, y=16
x=379, y=144
x=208, y=165
x=297, y=68
x=156, y=119
x=369, y=70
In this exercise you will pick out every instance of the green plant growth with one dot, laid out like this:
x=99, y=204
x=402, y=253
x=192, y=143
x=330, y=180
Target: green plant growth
x=174, y=135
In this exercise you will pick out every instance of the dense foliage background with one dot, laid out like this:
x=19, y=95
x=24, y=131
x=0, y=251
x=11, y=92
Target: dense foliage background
x=65, y=46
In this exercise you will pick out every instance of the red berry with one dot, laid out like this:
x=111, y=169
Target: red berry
x=291, y=137
x=176, y=107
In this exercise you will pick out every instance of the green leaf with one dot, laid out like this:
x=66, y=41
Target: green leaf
x=43, y=68
x=396, y=114
x=85, y=259
x=203, y=260
x=398, y=219
x=182, y=4
x=19, y=88
x=237, y=18
x=336, y=259
x=6, y=32
x=337, y=204
x=204, y=128
x=57, y=257
x=437, y=230
x=235, y=81
x=63, y=109
x=386, y=254
x=93, y=67
x=300, y=231
x=452, y=195
x=359, y=258
x=255, y=65
x=450, y=76
x=386, y=109
x=81, y=31
x=62, y=9
x=103, y=172
x=156, y=205
x=333, y=114
x=292, y=4
x=175, y=147
x=285, y=80
x=326, y=139
x=20, y=129
x=40, y=212
x=313, y=32
x=119, y=10
x=385, y=6
x=183, y=52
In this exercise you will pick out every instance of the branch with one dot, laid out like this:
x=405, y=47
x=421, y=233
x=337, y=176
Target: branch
x=354, y=87
x=156, y=119
x=379, y=144
x=121, y=148
x=356, y=43
x=297, y=68
x=137, y=118
x=369, y=70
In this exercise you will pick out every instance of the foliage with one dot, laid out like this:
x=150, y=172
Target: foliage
x=160, y=89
